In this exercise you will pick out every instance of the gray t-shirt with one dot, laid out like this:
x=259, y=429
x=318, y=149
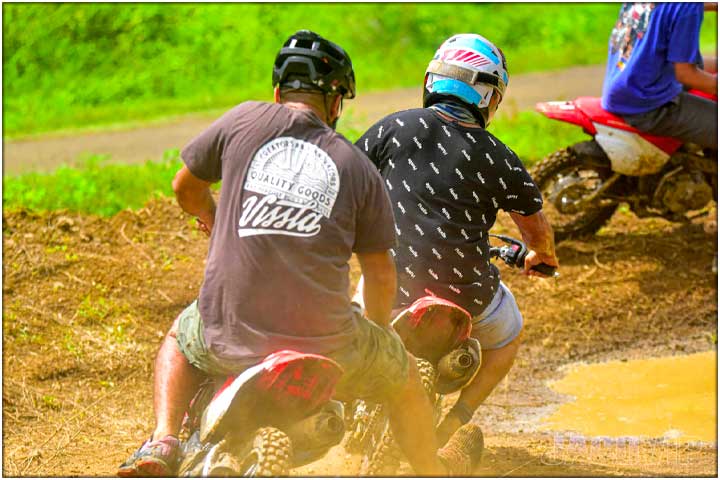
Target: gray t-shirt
x=297, y=199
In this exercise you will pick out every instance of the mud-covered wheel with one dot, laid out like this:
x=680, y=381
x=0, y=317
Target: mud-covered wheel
x=386, y=456
x=428, y=377
x=367, y=422
x=564, y=180
x=269, y=456
x=385, y=460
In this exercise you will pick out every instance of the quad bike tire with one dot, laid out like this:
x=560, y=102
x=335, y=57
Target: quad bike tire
x=385, y=459
x=585, y=223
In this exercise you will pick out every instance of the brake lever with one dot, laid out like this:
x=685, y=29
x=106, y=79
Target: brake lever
x=514, y=254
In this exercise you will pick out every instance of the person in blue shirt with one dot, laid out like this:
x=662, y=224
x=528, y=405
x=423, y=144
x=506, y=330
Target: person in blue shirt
x=653, y=58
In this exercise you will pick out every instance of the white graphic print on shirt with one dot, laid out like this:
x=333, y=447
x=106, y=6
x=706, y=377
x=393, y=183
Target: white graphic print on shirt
x=297, y=183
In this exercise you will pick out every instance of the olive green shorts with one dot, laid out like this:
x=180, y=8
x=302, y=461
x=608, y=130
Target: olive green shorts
x=375, y=364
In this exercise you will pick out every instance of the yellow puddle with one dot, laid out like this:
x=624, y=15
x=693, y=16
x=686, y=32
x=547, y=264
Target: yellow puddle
x=671, y=397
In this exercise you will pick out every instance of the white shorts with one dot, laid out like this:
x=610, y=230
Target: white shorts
x=500, y=323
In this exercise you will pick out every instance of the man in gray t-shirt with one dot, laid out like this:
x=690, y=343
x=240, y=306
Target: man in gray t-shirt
x=297, y=200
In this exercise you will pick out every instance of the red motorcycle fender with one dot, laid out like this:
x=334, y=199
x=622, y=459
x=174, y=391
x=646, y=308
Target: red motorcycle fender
x=566, y=112
x=432, y=326
x=286, y=383
x=592, y=109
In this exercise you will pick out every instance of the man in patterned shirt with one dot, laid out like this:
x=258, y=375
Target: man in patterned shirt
x=447, y=177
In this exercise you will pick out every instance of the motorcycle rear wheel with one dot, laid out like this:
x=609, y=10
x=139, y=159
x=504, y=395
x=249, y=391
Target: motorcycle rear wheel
x=386, y=456
x=267, y=454
x=270, y=455
x=364, y=427
x=566, y=167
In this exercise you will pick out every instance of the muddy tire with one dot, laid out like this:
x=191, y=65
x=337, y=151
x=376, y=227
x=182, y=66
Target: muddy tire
x=428, y=377
x=566, y=165
x=269, y=456
x=367, y=424
x=385, y=460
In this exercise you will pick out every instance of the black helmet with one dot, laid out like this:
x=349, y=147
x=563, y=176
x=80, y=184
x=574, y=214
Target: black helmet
x=308, y=61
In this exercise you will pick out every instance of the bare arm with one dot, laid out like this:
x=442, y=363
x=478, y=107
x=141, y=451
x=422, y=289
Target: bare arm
x=693, y=77
x=710, y=64
x=193, y=195
x=538, y=236
x=380, y=282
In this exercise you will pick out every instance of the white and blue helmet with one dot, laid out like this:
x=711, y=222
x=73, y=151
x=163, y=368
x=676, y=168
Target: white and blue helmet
x=469, y=67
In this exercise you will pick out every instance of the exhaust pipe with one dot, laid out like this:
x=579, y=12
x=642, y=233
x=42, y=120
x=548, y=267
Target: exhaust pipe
x=315, y=435
x=458, y=368
x=455, y=364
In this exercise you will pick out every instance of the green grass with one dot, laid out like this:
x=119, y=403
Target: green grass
x=533, y=136
x=95, y=187
x=72, y=65
x=69, y=66
x=708, y=34
x=103, y=188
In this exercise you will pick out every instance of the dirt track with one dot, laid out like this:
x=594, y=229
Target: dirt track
x=86, y=301
x=150, y=141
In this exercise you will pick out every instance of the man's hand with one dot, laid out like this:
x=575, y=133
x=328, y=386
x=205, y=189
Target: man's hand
x=379, y=284
x=204, y=227
x=534, y=258
x=538, y=236
x=193, y=195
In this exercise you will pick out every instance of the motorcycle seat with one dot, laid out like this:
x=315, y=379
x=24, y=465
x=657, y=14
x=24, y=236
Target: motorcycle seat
x=591, y=107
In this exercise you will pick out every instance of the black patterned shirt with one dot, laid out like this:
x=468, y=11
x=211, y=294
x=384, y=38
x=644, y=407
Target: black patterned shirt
x=446, y=183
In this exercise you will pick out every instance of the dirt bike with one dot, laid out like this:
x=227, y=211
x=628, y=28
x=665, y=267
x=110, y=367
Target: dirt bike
x=437, y=333
x=280, y=414
x=274, y=416
x=585, y=182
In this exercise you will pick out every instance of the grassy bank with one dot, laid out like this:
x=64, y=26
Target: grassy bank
x=104, y=188
x=74, y=65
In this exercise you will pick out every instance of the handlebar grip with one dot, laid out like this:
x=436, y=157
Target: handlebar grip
x=545, y=269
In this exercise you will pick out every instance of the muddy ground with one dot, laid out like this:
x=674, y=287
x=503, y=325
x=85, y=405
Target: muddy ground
x=87, y=300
